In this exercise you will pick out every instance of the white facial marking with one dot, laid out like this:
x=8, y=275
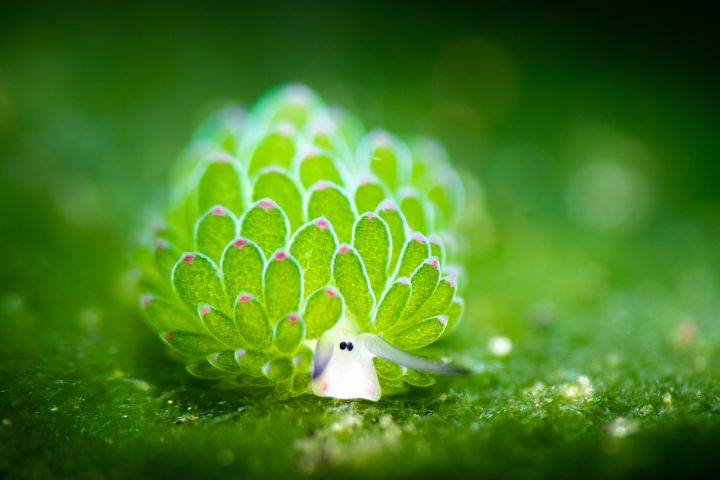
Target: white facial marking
x=349, y=373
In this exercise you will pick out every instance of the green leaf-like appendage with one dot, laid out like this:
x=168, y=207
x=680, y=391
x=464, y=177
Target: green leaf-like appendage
x=369, y=195
x=418, y=379
x=220, y=184
x=439, y=302
x=283, y=286
x=278, y=369
x=251, y=381
x=323, y=310
x=300, y=384
x=220, y=325
x=225, y=361
x=421, y=334
x=388, y=160
x=164, y=315
x=415, y=212
x=314, y=247
x=166, y=254
x=397, y=226
x=275, y=150
x=243, y=264
x=329, y=201
x=295, y=222
x=289, y=333
x=205, y=370
x=292, y=105
x=194, y=345
x=351, y=279
x=252, y=321
x=371, y=239
x=437, y=247
x=423, y=282
x=278, y=185
x=415, y=252
x=196, y=280
x=392, y=305
x=251, y=362
x=265, y=224
x=389, y=371
x=316, y=167
x=213, y=231
x=303, y=359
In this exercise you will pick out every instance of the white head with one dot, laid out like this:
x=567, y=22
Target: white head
x=343, y=364
x=343, y=367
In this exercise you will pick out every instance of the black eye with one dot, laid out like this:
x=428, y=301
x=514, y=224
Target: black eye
x=349, y=347
x=343, y=345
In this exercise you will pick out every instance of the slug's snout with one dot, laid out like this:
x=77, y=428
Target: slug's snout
x=343, y=368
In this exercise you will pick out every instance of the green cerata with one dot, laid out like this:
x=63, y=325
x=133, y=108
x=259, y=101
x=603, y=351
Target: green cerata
x=299, y=253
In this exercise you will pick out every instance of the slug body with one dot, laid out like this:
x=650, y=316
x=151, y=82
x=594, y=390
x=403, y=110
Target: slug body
x=343, y=366
x=302, y=254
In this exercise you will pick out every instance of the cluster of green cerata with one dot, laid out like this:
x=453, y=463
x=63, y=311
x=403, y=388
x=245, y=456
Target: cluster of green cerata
x=284, y=222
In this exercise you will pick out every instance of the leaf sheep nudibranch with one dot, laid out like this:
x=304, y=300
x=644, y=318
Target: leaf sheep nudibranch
x=302, y=254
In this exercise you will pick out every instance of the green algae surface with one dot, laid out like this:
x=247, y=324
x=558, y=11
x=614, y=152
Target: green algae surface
x=593, y=290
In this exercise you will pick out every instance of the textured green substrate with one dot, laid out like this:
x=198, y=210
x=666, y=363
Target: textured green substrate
x=602, y=386
x=87, y=392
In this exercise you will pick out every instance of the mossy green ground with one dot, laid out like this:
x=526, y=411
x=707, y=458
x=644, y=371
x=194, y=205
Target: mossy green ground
x=611, y=303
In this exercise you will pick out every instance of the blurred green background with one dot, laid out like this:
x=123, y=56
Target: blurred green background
x=592, y=128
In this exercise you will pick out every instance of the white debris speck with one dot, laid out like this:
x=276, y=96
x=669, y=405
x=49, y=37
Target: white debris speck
x=386, y=420
x=580, y=389
x=500, y=346
x=645, y=410
x=346, y=423
x=621, y=427
x=667, y=398
x=351, y=439
x=537, y=389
